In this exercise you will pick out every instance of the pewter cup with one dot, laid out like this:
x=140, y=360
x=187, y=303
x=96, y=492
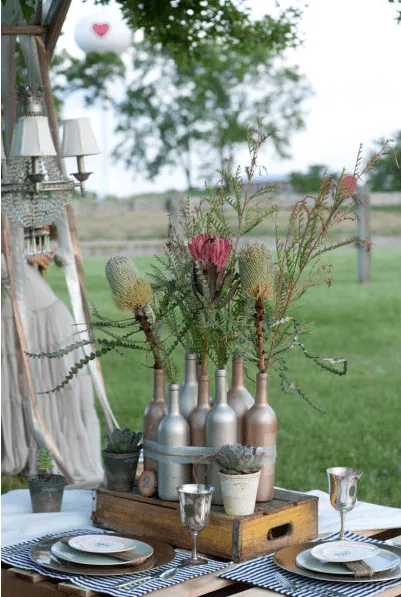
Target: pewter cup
x=195, y=504
x=343, y=485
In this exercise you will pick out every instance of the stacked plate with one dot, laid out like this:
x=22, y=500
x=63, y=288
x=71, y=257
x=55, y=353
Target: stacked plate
x=101, y=554
x=102, y=550
x=338, y=560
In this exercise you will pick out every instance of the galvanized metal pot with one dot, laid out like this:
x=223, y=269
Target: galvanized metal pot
x=120, y=470
x=46, y=492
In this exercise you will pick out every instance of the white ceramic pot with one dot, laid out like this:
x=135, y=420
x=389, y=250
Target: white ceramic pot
x=239, y=493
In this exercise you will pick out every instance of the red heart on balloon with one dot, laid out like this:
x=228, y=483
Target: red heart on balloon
x=101, y=30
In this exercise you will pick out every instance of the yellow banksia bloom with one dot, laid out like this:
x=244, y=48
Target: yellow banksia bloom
x=256, y=271
x=133, y=296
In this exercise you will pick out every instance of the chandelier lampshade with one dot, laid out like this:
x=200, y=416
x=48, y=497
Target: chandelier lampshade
x=32, y=138
x=78, y=138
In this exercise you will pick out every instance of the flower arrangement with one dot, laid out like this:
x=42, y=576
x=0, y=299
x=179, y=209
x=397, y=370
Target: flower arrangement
x=218, y=296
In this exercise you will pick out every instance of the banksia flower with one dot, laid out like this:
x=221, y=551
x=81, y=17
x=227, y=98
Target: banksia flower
x=129, y=291
x=256, y=271
x=209, y=250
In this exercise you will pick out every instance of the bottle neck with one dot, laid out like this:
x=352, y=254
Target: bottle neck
x=173, y=399
x=237, y=372
x=159, y=394
x=190, y=368
x=204, y=392
x=220, y=394
x=261, y=389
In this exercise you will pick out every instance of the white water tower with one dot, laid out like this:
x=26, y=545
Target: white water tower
x=103, y=31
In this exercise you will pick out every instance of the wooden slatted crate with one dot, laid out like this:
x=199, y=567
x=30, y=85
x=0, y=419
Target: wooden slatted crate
x=291, y=517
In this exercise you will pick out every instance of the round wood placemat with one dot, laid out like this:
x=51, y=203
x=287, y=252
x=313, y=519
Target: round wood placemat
x=41, y=554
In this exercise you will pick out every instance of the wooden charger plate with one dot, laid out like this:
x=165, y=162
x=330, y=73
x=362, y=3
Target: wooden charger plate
x=285, y=558
x=41, y=554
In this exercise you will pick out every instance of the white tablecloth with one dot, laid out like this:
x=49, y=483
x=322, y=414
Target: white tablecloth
x=18, y=523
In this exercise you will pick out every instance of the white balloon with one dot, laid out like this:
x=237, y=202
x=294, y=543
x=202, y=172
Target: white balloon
x=103, y=31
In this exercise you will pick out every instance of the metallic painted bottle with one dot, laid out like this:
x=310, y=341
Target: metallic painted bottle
x=154, y=413
x=197, y=424
x=173, y=431
x=238, y=396
x=189, y=389
x=260, y=429
x=221, y=428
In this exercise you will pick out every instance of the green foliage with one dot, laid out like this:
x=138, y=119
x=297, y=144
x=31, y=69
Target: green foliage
x=44, y=461
x=123, y=441
x=235, y=459
x=386, y=176
x=182, y=28
x=398, y=17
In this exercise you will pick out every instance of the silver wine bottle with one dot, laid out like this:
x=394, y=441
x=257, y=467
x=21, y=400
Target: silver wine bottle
x=221, y=429
x=173, y=431
x=189, y=389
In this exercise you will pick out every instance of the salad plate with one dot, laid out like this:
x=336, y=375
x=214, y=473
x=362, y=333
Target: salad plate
x=344, y=551
x=102, y=543
x=381, y=561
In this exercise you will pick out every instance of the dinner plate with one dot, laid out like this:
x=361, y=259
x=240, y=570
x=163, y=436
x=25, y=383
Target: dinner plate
x=142, y=552
x=344, y=551
x=101, y=543
x=41, y=554
x=383, y=560
x=286, y=559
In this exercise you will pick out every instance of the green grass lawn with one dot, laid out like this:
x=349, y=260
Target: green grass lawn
x=362, y=424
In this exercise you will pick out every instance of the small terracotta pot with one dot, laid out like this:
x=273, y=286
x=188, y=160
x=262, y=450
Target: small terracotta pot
x=239, y=493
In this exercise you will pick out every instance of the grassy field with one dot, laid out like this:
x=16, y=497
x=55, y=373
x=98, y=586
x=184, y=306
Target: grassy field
x=132, y=225
x=362, y=424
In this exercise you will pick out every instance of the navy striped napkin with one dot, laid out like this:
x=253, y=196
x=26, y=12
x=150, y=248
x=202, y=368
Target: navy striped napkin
x=260, y=572
x=18, y=556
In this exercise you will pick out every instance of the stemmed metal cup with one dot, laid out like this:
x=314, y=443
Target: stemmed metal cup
x=343, y=485
x=195, y=504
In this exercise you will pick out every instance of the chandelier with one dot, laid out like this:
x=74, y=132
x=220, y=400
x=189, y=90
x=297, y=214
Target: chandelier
x=34, y=189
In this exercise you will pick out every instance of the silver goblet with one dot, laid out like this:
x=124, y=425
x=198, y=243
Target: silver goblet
x=195, y=503
x=343, y=484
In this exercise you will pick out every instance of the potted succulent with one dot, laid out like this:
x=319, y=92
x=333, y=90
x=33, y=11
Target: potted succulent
x=239, y=475
x=46, y=488
x=120, y=459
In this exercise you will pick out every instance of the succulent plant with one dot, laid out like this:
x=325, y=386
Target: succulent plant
x=236, y=459
x=256, y=270
x=130, y=292
x=44, y=461
x=123, y=441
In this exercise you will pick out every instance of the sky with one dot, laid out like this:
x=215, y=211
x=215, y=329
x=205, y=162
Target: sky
x=351, y=58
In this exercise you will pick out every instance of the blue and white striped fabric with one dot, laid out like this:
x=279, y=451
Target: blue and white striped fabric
x=19, y=556
x=260, y=572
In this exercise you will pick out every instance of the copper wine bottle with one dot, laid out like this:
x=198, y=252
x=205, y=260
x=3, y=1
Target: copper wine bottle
x=154, y=413
x=197, y=425
x=260, y=429
x=238, y=396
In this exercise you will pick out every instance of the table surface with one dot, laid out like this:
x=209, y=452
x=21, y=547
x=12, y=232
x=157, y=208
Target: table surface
x=24, y=583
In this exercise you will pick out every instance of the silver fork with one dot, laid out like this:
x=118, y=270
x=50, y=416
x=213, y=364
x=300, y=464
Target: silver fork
x=293, y=586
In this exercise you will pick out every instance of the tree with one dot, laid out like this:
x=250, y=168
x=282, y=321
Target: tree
x=398, y=17
x=310, y=182
x=386, y=176
x=173, y=112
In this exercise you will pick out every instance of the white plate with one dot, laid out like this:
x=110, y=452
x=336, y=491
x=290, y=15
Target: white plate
x=62, y=551
x=382, y=561
x=102, y=543
x=344, y=551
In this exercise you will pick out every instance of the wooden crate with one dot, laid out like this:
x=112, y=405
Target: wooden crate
x=289, y=518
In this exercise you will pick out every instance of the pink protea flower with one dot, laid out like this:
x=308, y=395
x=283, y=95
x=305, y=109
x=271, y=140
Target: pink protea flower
x=210, y=250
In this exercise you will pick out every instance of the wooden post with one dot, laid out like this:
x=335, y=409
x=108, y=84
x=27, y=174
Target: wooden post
x=363, y=230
